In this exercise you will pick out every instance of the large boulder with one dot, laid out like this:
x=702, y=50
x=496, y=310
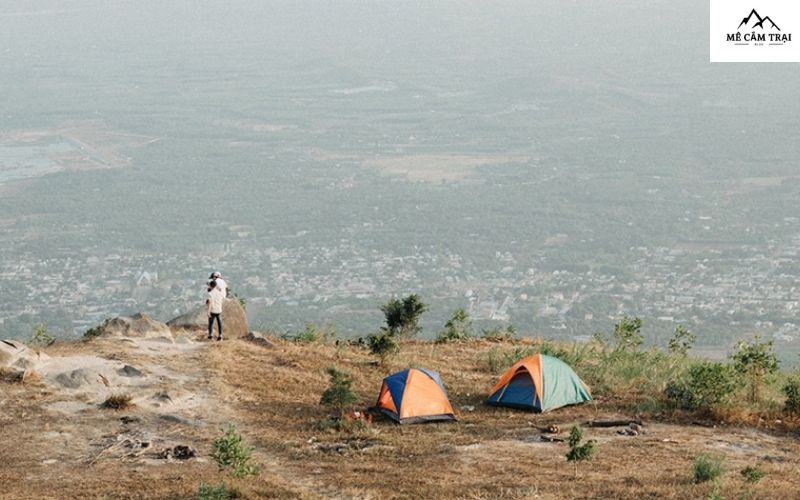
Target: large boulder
x=234, y=320
x=16, y=358
x=138, y=325
x=15, y=353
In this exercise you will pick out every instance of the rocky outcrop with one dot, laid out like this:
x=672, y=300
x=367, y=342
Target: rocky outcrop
x=138, y=325
x=234, y=320
x=16, y=358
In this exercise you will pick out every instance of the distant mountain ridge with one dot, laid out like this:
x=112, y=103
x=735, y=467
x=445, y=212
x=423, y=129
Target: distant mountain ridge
x=760, y=22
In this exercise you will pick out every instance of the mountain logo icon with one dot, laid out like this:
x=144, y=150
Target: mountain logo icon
x=759, y=21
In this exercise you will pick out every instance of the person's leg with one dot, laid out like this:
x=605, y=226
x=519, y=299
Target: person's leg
x=219, y=325
x=210, y=325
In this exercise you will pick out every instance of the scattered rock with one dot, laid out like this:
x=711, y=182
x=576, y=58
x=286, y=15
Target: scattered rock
x=468, y=408
x=633, y=429
x=234, y=320
x=138, y=325
x=76, y=379
x=130, y=371
x=179, y=452
x=127, y=419
x=175, y=419
x=11, y=374
x=260, y=339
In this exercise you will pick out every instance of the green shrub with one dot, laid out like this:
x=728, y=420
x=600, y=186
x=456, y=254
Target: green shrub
x=312, y=334
x=339, y=395
x=402, y=315
x=494, y=361
x=41, y=336
x=458, y=327
x=218, y=492
x=230, y=451
x=755, y=361
x=791, y=389
x=706, y=385
x=382, y=344
x=94, y=331
x=498, y=334
x=579, y=452
x=628, y=334
x=681, y=341
x=752, y=474
x=706, y=468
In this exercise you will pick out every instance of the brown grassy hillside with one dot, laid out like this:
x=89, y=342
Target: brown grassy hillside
x=57, y=442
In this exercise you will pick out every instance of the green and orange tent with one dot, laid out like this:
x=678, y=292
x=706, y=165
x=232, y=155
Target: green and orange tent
x=539, y=383
x=414, y=395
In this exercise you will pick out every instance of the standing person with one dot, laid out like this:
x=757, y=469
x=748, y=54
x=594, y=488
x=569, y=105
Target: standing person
x=214, y=309
x=221, y=284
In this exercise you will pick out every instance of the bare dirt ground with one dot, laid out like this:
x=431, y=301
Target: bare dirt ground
x=57, y=442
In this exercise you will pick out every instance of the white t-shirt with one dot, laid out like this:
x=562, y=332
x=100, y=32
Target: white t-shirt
x=222, y=286
x=215, y=298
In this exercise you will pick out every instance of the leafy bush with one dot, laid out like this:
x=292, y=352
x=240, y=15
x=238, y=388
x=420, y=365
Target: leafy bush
x=755, y=361
x=458, y=327
x=628, y=334
x=339, y=395
x=402, y=315
x=791, y=389
x=218, y=492
x=706, y=468
x=498, y=334
x=707, y=384
x=681, y=341
x=311, y=334
x=230, y=451
x=752, y=474
x=41, y=336
x=94, y=331
x=382, y=344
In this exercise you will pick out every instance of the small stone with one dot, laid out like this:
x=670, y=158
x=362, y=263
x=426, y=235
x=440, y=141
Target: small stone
x=130, y=371
x=183, y=452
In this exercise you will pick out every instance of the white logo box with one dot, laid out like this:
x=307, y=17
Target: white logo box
x=771, y=33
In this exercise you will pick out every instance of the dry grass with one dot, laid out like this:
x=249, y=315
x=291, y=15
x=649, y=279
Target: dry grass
x=117, y=402
x=272, y=396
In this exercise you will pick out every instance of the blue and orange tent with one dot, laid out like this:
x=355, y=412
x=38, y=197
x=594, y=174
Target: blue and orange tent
x=414, y=395
x=539, y=383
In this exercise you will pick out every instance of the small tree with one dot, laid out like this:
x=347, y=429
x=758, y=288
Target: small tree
x=458, y=327
x=382, y=344
x=791, y=389
x=339, y=395
x=681, y=341
x=579, y=452
x=230, y=451
x=628, y=333
x=755, y=361
x=41, y=336
x=402, y=315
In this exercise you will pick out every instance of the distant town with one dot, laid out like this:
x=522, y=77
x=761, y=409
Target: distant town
x=284, y=288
